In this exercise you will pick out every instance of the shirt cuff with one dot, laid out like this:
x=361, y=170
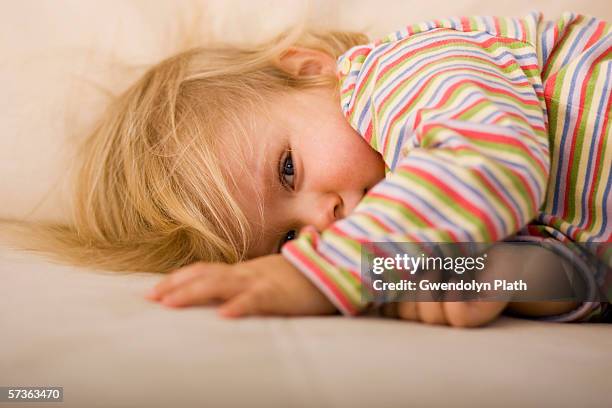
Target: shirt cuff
x=341, y=286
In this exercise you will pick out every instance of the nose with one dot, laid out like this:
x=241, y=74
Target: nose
x=321, y=210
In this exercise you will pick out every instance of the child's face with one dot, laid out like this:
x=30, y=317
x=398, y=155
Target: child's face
x=308, y=166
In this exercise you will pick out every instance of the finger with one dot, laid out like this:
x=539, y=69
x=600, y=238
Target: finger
x=175, y=279
x=240, y=306
x=407, y=311
x=390, y=309
x=202, y=290
x=431, y=312
x=472, y=314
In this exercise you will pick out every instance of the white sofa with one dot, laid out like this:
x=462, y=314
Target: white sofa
x=95, y=335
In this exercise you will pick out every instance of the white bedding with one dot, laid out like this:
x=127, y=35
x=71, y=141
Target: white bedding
x=97, y=337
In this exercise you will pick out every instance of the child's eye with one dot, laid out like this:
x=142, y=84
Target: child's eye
x=288, y=237
x=286, y=170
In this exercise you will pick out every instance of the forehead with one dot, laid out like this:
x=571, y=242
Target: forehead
x=244, y=155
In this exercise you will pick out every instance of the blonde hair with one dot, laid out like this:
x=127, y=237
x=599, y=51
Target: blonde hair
x=150, y=194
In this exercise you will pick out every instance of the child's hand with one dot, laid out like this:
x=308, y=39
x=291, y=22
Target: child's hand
x=536, y=265
x=458, y=314
x=268, y=285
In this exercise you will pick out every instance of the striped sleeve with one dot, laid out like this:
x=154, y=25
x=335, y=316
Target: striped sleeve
x=459, y=120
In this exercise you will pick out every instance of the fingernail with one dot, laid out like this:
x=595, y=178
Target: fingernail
x=151, y=294
x=169, y=301
x=226, y=313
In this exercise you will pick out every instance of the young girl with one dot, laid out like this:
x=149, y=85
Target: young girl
x=274, y=164
x=468, y=129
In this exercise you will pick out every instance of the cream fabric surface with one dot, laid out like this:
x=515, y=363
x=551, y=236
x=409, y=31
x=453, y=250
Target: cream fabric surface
x=97, y=337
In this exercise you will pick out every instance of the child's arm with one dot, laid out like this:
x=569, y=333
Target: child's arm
x=272, y=286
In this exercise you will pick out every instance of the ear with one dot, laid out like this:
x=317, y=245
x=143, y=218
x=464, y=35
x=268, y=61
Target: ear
x=300, y=61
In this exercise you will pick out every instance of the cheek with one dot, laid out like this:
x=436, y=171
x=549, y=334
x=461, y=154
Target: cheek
x=370, y=165
x=361, y=152
x=355, y=161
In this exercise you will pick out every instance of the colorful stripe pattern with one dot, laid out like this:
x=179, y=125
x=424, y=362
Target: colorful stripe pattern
x=490, y=127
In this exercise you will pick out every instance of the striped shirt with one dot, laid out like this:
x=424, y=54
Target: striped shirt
x=490, y=128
